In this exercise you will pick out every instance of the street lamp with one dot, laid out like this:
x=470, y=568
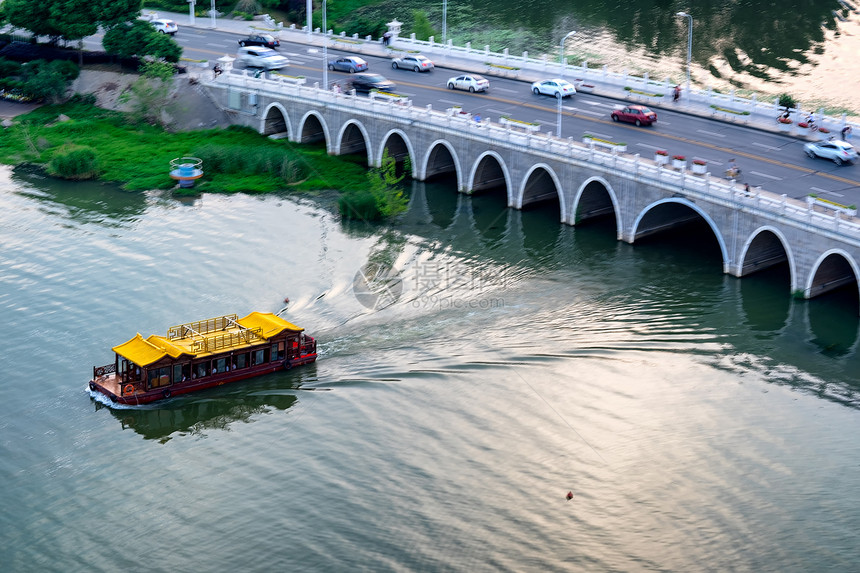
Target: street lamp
x=325, y=50
x=689, y=45
x=561, y=51
x=563, y=62
x=212, y=13
x=445, y=22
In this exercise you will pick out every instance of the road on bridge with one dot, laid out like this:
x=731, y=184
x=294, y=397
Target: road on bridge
x=771, y=160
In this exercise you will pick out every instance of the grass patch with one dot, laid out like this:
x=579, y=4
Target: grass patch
x=138, y=155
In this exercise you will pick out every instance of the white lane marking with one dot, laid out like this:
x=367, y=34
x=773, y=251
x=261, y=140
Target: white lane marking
x=449, y=101
x=768, y=147
x=491, y=110
x=221, y=45
x=709, y=132
x=646, y=146
x=587, y=111
x=598, y=103
x=766, y=176
x=509, y=90
x=820, y=190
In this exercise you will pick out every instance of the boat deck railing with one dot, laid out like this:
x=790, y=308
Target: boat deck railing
x=202, y=327
x=227, y=340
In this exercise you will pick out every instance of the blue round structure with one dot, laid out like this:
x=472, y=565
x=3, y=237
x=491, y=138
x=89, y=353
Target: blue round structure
x=186, y=170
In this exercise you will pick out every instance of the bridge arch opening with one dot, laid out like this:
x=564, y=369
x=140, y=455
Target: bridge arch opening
x=490, y=175
x=442, y=163
x=678, y=222
x=276, y=121
x=595, y=202
x=313, y=129
x=398, y=146
x=834, y=270
x=354, y=141
x=541, y=189
x=767, y=250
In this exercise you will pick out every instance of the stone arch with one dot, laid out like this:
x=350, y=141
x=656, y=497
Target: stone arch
x=482, y=176
x=595, y=208
x=550, y=172
x=276, y=120
x=353, y=138
x=635, y=229
x=766, y=254
x=433, y=164
x=312, y=128
x=824, y=276
x=398, y=152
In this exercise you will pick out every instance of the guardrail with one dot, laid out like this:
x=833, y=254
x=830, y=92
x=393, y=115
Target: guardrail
x=694, y=186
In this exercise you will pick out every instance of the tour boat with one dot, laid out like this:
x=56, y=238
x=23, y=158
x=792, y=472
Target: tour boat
x=200, y=355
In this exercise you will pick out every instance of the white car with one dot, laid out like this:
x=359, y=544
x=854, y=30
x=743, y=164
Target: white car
x=415, y=63
x=165, y=26
x=837, y=151
x=554, y=87
x=260, y=57
x=472, y=82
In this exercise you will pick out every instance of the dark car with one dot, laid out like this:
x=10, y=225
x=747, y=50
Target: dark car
x=638, y=114
x=260, y=40
x=369, y=82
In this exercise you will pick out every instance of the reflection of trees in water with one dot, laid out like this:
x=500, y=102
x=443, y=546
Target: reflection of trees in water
x=835, y=338
x=211, y=409
x=83, y=201
x=765, y=34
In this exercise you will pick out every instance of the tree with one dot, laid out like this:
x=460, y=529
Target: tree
x=68, y=19
x=139, y=38
x=150, y=93
x=421, y=25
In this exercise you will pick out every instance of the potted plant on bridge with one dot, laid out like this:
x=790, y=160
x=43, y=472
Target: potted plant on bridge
x=661, y=157
x=823, y=133
x=700, y=166
x=679, y=162
x=784, y=124
x=802, y=128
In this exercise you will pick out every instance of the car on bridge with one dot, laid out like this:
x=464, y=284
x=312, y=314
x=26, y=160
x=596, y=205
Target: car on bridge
x=259, y=57
x=838, y=152
x=472, y=82
x=165, y=26
x=638, y=114
x=416, y=63
x=554, y=87
x=350, y=64
x=264, y=40
x=369, y=82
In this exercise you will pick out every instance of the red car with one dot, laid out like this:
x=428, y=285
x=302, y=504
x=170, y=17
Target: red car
x=638, y=114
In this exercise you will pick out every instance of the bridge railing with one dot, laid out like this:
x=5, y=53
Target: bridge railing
x=716, y=190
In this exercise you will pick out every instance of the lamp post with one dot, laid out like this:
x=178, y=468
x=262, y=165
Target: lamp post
x=445, y=22
x=689, y=44
x=325, y=50
x=563, y=63
x=563, y=60
x=212, y=13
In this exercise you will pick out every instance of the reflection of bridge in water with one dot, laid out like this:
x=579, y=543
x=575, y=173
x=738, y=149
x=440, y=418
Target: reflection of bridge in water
x=753, y=231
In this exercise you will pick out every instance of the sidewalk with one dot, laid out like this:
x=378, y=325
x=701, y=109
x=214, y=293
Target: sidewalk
x=690, y=103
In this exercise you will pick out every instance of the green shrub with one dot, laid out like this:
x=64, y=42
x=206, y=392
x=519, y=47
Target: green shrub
x=9, y=68
x=359, y=206
x=74, y=162
x=785, y=100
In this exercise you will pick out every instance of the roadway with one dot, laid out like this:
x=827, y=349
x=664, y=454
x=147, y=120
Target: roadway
x=770, y=160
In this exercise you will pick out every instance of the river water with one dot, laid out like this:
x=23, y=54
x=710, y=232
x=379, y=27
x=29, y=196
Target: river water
x=806, y=48
x=700, y=421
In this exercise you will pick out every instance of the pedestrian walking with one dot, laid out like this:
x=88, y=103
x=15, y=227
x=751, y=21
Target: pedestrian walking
x=846, y=133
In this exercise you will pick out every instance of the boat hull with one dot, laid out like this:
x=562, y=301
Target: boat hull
x=108, y=385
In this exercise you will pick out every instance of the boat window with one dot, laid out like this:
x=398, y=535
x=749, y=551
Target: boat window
x=201, y=369
x=240, y=361
x=259, y=356
x=159, y=377
x=181, y=372
x=219, y=366
x=278, y=352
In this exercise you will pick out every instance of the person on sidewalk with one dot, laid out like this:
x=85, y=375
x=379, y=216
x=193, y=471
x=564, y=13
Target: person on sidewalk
x=676, y=94
x=846, y=133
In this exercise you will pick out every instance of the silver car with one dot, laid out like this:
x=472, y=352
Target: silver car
x=416, y=63
x=472, y=82
x=838, y=152
x=260, y=57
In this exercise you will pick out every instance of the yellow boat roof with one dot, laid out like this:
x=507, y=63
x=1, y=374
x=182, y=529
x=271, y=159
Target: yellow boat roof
x=210, y=336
